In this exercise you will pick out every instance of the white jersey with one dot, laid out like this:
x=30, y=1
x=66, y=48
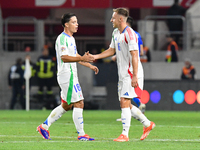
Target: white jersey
x=124, y=43
x=67, y=72
x=65, y=45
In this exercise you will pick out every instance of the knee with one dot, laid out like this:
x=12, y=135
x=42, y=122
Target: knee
x=79, y=104
x=124, y=103
x=66, y=107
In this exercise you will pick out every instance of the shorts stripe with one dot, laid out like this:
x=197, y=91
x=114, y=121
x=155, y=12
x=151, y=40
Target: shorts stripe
x=70, y=89
x=129, y=72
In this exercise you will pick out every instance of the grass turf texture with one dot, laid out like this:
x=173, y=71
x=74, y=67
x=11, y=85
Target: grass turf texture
x=173, y=131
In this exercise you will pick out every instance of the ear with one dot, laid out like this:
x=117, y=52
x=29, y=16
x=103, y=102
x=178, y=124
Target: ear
x=66, y=25
x=120, y=18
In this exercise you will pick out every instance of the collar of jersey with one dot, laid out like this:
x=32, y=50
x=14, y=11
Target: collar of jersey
x=65, y=34
x=124, y=29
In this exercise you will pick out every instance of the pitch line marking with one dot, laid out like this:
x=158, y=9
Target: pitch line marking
x=98, y=139
x=117, y=124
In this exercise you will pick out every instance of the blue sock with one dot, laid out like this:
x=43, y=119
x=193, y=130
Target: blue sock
x=137, y=101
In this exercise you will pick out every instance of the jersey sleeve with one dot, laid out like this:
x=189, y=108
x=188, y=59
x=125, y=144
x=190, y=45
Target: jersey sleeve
x=64, y=50
x=132, y=40
x=112, y=44
x=63, y=45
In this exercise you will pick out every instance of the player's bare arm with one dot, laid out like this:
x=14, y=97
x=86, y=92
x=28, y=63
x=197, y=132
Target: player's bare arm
x=86, y=64
x=107, y=53
x=134, y=55
x=85, y=58
x=114, y=58
x=141, y=50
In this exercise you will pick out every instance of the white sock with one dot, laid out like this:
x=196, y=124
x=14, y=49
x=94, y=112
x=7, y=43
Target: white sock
x=137, y=114
x=78, y=120
x=126, y=120
x=54, y=115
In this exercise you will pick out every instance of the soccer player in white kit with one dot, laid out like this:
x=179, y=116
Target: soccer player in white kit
x=130, y=71
x=71, y=93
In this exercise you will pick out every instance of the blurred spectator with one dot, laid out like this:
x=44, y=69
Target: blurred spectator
x=172, y=49
x=188, y=71
x=52, y=51
x=45, y=72
x=146, y=57
x=16, y=83
x=175, y=24
x=27, y=49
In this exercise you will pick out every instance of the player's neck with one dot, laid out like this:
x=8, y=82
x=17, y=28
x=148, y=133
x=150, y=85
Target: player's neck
x=122, y=27
x=68, y=32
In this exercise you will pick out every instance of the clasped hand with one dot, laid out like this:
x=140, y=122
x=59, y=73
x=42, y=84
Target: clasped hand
x=87, y=57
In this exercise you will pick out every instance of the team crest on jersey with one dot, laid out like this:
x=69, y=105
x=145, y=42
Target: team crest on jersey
x=63, y=49
x=116, y=39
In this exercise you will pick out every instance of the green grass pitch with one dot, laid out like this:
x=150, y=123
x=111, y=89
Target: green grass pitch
x=175, y=130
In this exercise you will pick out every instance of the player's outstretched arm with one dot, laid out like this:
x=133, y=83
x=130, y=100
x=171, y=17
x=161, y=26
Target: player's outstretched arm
x=85, y=58
x=107, y=53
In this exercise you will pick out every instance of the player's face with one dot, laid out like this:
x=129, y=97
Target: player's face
x=115, y=20
x=73, y=24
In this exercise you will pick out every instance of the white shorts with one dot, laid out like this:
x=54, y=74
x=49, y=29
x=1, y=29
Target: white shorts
x=70, y=91
x=127, y=91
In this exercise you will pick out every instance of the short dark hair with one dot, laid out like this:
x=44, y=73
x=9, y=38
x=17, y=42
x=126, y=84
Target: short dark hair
x=122, y=11
x=18, y=61
x=176, y=1
x=66, y=18
x=130, y=20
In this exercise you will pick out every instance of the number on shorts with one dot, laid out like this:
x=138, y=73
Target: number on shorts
x=77, y=87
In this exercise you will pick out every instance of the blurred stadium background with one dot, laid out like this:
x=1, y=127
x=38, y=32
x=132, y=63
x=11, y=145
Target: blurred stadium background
x=33, y=23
